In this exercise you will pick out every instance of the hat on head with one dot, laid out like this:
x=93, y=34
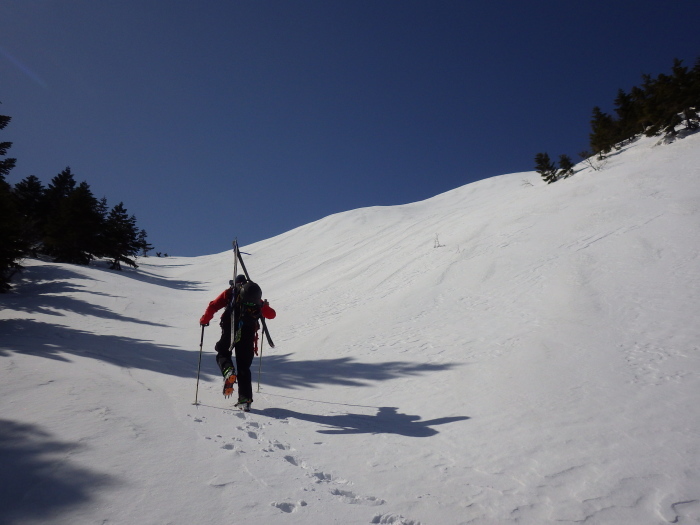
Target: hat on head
x=240, y=279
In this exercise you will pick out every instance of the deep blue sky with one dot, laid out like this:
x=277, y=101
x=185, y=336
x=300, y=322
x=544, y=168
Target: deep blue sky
x=219, y=119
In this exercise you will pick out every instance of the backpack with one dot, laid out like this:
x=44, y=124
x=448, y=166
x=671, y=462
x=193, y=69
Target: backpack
x=249, y=303
x=247, y=307
x=250, y=294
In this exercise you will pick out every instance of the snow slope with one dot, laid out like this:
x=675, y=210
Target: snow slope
x=541, y=365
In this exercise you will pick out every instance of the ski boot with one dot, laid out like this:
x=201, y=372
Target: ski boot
x=229, y=380
x=244, y=404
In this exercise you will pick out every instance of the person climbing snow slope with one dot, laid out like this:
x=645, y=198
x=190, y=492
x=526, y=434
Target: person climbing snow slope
x=243, y=300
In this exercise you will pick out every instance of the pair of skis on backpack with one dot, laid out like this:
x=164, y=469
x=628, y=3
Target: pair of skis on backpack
x=229, y=381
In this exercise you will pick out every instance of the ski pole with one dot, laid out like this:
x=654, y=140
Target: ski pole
x=262, y=341
x=199, y=367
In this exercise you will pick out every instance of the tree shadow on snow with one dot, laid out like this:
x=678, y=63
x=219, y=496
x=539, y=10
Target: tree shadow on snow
x=282, y=372
x=388, y=420
x=140, y=274
x=26, y=336
x=36, y=476
x=44, y=292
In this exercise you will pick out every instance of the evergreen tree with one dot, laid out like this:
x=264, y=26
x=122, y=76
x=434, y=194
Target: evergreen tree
x=628, y=113
x=59, y=188
x=651, y=107
x=63, y=220
x=640, y=100
x=545, y=167
x=658, y=106
x=666, y=106
x=55, y=194
x=29, y=196
x=566, y=167
x=12, y=246
x=686, y=96
x=694, y=91
x=29, y=193
x=671, y=100
x=74, y=233
x=603, y=132
x=144, y=246
x=121, y=238
x=6, y=165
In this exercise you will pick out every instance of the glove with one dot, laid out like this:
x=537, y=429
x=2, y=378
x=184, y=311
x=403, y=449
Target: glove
x=267, y=311
x=204, y=321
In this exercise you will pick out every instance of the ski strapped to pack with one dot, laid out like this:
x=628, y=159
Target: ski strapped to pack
x=239, y=259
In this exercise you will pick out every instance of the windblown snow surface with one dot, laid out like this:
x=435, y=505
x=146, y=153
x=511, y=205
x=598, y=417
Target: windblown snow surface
x=506, y=352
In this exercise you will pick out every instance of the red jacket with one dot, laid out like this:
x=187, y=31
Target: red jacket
x=223, y=300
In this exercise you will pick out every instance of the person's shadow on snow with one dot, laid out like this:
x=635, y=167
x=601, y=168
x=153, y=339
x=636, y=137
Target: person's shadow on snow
x=387, y=421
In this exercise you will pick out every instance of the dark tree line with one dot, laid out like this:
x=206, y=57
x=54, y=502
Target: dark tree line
x=549, y=171
x=659, y=106
x=63, y=221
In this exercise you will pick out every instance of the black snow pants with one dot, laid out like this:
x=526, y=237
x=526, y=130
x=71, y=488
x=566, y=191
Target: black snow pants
x=245, y=352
